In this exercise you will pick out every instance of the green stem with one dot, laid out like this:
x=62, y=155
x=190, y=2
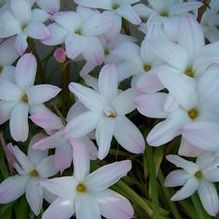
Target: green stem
x=167, y=194
x=153, y=181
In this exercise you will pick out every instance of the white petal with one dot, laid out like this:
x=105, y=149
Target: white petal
x=165, y=131
x=57, y=35
x=5, y=110
x=104, y=135
x=172, y=53
x=114, y=206
x=107, y=175
x=176, y=178
x=25, y=72
x=152, y=105
x=178, y=161
x=81, y=159
x=181, y=87
x=209, y=197
x=108, y=90
x=202, y=134
x=128, y=135
x=104, y=4
x=51, y=6
x=60, y=186
x=124, y=102
x=39, y=15
x=190, y=35
x=187, y=190
x=63, y=157
x=37, y=30
x=21, y=10
x=82, y=125
x=86, y=207
x=9, y=91
x=21, y=43
x=129, y=14
x=90, y=98
x=60, y=209
x=19, y=127
x=41, y=93
x=46, y=167
x=34, y=196
x=12, y=188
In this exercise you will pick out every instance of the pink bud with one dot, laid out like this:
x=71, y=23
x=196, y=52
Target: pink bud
x=60, y=55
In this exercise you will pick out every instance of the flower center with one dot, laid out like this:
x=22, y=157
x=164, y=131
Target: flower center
x=164, y=14
x=110, y=112
x=147, y=67
x=34, y=173
x=193, y=113
x=115, y=6
x=78, y=32
x=25, y=99
x=199, y=175
x=23, y=26
x=81, y=188
x=189, y=72
x=106, y=52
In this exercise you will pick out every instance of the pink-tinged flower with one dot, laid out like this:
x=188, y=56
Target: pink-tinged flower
x=199, y=176
x=88, y=195
x=80, y=32
x=22, y=22
x=66, y=148
x=190, y=112
x=20, y=97
x=60, y=55
x=122, y=8
x=189, y=56
x=106, y=112
x=30, y=169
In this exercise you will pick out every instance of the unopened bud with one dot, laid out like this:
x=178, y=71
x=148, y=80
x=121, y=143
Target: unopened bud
x=60, y=55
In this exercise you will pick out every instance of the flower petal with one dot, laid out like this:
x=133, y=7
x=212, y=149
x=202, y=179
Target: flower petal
x=41, y=93
x=18, y=124
x=113, y=205
x=176, y=178
x=187, y=190
x=209, y=197
x=104, y=135
x=12, y=188
x=51, y=6
x=129, y=136
x=25, y=72
x=60, y=209
x=5, y=110
x=108, y=90
x=34, y=196
x=152, y=105
x=107, y=175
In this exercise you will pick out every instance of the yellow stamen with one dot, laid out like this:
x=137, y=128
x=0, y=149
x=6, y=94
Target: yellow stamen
x=199, y=175
x=193, y=113
x=78, y=32
x=147, y=67
x=106, y=52
x=34, y=173
x=81, y=188
x=111, y=115
x=189, y=72
x=25, y=99
x=164, y=14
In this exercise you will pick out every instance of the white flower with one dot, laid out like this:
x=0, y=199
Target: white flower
x=20, y=97
x=23, y=22
x=121, y=7
x=106, y=113
x=80, y=31
x=199, y=176
x=88, y=195
x=30, y=170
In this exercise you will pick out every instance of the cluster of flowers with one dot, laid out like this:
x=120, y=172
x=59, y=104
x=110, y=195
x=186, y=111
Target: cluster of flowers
x=174, y=76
